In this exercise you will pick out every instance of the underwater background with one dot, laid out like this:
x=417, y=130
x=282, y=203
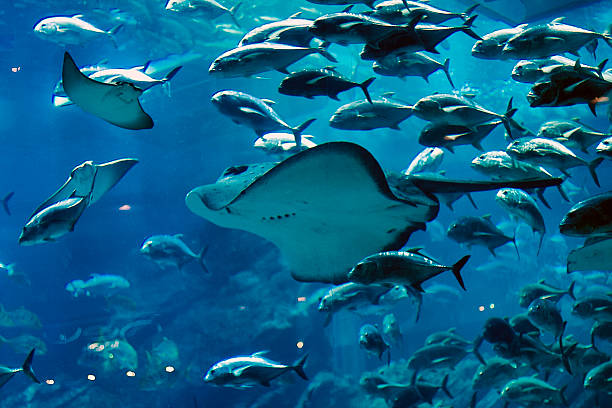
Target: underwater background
x=248, y=302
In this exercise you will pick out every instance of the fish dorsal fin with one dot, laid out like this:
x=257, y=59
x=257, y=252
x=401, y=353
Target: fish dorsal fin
x=415, y=250
x=178, y=236
x=452, y=330
x=347, y=9
x=487, y=217
x=542, y=281
x=268, y=102
x=260, y=353
x=295, y=15
x=521, y=26
x=558, y=20
x=77, y=16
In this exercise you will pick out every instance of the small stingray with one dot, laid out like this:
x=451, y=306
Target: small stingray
x=326, y=208
x=117, y=104
x=90, y=180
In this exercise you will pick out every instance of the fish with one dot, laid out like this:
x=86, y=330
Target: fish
x=545, y=315
x=491, y=45
x=90, y=181
x=97, y=285
x=593, y=307
x=405, y=64
x=291, y=31
x=601, y=330
x=571, y=133
x=521, y=324
x=598, y=379
x=258, y=114
x=604, y=148
x=472, y=230
x=7, y=373
x=408, y=395
x=20, y=317
x=363, y=115
x=24, y=343
x=530, y=390
x=398, y=11
x=256, y=58
x=428, y=160
x=371, y=340
x=369, y=3
x=171, y=251
x=117, y=104
x=531, y=71
x=409, y=268
x=72, y=30
x=589, y=218
x=248, y=371
x=53, y=222
x=342, y=195
x=280, y=143
x=532, y=291
x=448, y=337
x=391, y=329
x=541, y=151
x=203, y=8
x=592, y=256
x=436, y=356
x=523, y=206
x=137, y=77
x=440, y=134
x=496, y=373
x=550, y=39
x=458, y=110
x=321, y=82
x=16, y=275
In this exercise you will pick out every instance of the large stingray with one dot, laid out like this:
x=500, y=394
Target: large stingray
x=90, y=180
x=326, y=208
x=115, y=103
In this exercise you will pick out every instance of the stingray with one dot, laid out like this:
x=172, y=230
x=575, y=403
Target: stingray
x=592, y=256
x=90, y=180
x=117, y=103
x=325, y=208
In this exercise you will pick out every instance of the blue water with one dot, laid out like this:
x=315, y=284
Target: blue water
x=246, y=303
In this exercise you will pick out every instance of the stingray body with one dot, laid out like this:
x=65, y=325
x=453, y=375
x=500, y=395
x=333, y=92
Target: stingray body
x=326, y=208
x=116, y=103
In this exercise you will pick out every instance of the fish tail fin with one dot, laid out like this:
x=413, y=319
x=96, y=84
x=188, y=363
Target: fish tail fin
x=297, y=132
x=112, y=32
x=570, y=290
x=592, y=166
x=5, y=202
x=507, y=117
x=232, y=13
x=468, y=11
x=467, y=28
x=167, y=79
x=469, y=196
x=322, y=49
x=562, y=395
x=444, y=386
x=419, y=307
x=370, y=4
x=298, y=367
x=562, y=192
x=457, y=270
x=515, y=245
x=540, y=243
x=364, y=87
x=540, y=195
x=27, y=367
x=201, y=259
x=563, y=352
x=446, y=69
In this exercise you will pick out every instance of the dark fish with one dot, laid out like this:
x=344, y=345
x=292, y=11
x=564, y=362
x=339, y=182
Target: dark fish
x=590, y=217
x=449, y=136
x=533, y=291
x=371, y=340
x=320, y=82
x=400, y=11
x=363, y=115
x=405, y=64
x=479, y=231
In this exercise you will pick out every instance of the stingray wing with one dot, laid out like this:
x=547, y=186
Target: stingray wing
x=326, y=208
x=63, y=193
x=107, y=175
x=111, y=102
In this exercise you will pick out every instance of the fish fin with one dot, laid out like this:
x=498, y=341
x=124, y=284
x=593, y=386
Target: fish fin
x=570, y=290
x=418, y=286
x=562, y=395
x=297, y=132
x=283, y=70
x=112, y=32
x=201, y=259
x=232, y=13
x=364, y=87
x=467, y=28
x=444, y=385
x=469, y=196
x=252, y=111
x=5, y=202
x=592, y=166
x=325, y=53
x=269, y=102
x=457, y=270
x=446, y=69
x=298, y=367
x=27, y=367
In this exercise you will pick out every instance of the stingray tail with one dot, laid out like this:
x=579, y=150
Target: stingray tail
x=592, y=166
x=27, y=367
x=112, y=32
x=201, y=259
x=446, y=69
x=297, y=132
x=5, y=202
x=364, y=87
x=467, y=28
x=232, y=13
x=457, y=269
x=167, y=79
x=298, y=367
